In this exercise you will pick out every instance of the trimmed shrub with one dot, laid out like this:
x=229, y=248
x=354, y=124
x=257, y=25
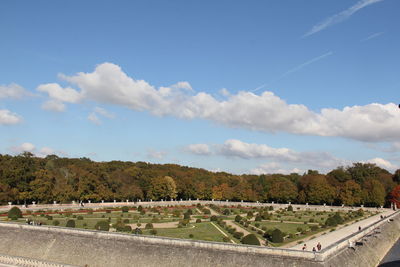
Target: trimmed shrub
x=126, y=220
x=238, y=218
x=56, y=222
x=226, y=212
x=290, y=208
x=191, y=235
x=238, y=235
x=14, y=213
x=70, y=223
x=148, y=226
x=102, y=225
x=258, y=218
x=125, y=209
x=226, y=239
x=213, y=218
x=257, y=225
x=250, y=239
x=127, y=228
x=277, y=236
x=186, y=216
x=198, y=220
x=206, y=211
x=79, y=217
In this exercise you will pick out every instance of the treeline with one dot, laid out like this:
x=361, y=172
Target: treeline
x=25, y=178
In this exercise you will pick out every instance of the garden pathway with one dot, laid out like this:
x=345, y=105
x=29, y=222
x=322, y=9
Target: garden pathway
x=335, y=236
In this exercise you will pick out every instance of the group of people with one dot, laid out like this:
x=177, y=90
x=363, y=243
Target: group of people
x=315, y=249
x=33, y=222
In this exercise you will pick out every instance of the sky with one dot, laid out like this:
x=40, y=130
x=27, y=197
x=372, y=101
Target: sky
x=238, y=86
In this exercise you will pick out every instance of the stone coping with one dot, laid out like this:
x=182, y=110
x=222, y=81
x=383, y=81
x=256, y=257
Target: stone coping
x=29, y=262
x=182, y=202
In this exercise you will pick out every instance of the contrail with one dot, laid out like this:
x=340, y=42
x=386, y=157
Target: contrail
x=297, y=68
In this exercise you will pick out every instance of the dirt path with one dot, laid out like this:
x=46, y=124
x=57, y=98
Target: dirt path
x=223, y=233
x=244, y=231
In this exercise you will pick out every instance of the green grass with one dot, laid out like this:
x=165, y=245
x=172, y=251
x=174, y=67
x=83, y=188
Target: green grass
x=201, y=231
x=289, y=228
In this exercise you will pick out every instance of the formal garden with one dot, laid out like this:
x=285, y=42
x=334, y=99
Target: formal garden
x=235, y=224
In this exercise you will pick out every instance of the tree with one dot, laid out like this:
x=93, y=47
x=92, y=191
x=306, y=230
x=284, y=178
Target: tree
x=250, y=239
x=373, y=193
x=162, y=187
x=283, y=190
x=277, y=236
x=14, y=213
x=317, y=189
x=395, y=196
x=350, y=193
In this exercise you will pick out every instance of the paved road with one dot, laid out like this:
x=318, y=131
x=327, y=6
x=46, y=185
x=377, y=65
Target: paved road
x=335, y=236
x=392, y=258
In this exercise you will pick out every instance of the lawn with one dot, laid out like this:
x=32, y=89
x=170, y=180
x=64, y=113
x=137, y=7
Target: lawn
x=201, y=231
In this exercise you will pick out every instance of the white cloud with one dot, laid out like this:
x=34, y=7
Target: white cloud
x=58, y=96
x=104, y=112
x=93, y=118
x=12, y=90
x=273, y=167
x=9, y=118
x=266, y=112
x=198, y=149
x=182, y=85
x=340, y=17
x=24, y=147
x=156, y=154
x=29, y=147
x=54, y=105
x=239, y=149
x=385, y=164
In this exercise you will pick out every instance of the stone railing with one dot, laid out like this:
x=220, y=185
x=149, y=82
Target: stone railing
x=27, y=262
x=184, y=202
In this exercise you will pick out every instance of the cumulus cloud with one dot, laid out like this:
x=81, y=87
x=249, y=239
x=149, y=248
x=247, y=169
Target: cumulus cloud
x=340, y=17
x=385, y=164
x=273, y=167
x=58, y=96
x=29, y=147
x=156, y=154
x=12, y=90
x=8, y=118
x=198, y=149
x=239, y=149
x=266, y=112
x=54, y=105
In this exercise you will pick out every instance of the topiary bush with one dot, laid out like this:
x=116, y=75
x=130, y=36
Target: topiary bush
x=277, y=236
x=198, y=220
x=213, y=218
x=125, y=209
x=290, y=208
x=148, y=226
x=238, y=218
x=102, y=226
x=70, y=223
x=250, y=239
x=79, y=217
x=14, y=213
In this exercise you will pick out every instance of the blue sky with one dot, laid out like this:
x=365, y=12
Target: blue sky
x=239, y=86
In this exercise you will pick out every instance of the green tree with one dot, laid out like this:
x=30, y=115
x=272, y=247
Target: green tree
x=350, y=193
x=373, y=193
x=162, y=188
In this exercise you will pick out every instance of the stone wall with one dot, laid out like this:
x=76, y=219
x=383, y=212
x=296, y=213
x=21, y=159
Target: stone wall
x=93, y=248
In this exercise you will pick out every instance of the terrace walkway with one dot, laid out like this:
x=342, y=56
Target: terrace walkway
x=335, y=236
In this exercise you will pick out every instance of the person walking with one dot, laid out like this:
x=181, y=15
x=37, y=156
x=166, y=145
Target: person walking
x=319, y=246
x=304, y=247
